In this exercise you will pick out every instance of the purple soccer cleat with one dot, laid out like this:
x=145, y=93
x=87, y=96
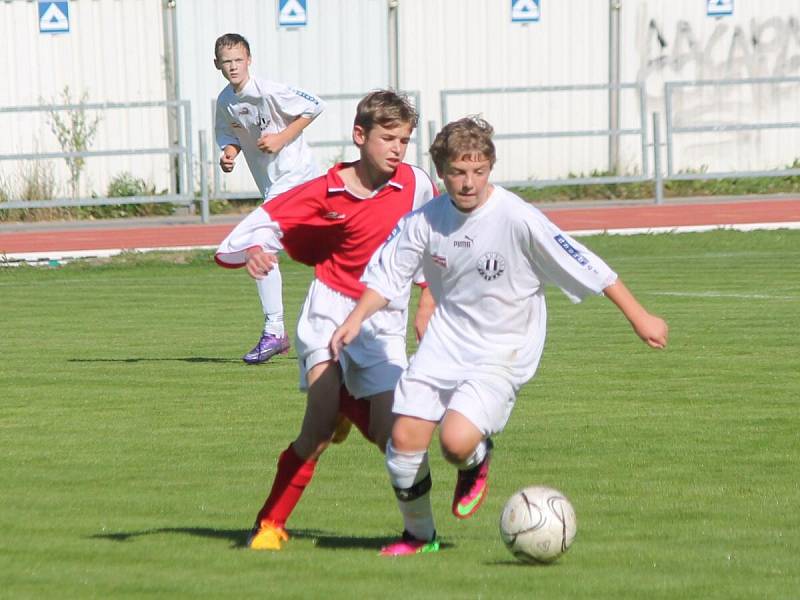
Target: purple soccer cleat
x=268, y=346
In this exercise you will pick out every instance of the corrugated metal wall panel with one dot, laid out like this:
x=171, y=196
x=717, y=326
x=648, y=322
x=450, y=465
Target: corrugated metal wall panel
x=474, y=44
x=676, y=41
x=114, y=53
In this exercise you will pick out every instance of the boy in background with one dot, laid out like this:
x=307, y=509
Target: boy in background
x=264, y=120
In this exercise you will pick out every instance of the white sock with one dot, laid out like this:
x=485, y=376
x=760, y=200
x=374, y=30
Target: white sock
x=474, y=459
x=270, y=290
x=406, y=469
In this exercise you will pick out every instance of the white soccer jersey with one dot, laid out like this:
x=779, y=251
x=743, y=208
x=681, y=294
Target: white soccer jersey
x=268, y=107
x=487, y=270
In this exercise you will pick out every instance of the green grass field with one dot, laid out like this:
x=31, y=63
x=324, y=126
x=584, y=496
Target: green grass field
x=136, y=447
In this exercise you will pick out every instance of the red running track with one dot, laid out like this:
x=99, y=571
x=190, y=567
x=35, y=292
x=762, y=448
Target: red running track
x=570, y=219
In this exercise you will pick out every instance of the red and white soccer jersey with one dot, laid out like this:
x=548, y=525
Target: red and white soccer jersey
x=487, y=271
x=320, y=223
x=265, y=106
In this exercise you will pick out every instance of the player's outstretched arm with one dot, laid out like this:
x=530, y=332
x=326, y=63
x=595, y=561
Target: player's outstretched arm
x=652, y=329
x=369, y=303
x=259, y=263
x=425, y=309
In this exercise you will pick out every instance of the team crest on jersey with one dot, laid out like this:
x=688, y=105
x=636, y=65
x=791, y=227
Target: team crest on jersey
x=582, y=261
x=491, y=265
x=439, y=260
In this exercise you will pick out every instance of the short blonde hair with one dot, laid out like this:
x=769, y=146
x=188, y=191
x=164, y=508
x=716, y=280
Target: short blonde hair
x=385, y=108
x=466, y=138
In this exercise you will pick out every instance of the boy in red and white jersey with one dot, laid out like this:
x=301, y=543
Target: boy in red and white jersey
x=335, y=223
x=264, y=120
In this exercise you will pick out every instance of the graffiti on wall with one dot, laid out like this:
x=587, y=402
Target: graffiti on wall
x=766, y=48
x=762, y=48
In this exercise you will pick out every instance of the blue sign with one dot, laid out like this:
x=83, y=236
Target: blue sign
x=719, y=8
x=292, y=13
x=525, y=11
x=53, y=17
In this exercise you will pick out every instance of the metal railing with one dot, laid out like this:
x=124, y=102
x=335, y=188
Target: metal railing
x=183, y=150
x=610, y=133
x=672, y=130
x=657, y=175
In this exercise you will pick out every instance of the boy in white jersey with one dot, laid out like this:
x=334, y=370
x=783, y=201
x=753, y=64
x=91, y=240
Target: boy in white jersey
x=264, y=120
x=486, y=255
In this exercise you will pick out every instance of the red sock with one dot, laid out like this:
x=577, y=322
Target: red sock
x=355, y=410
x=293, y=475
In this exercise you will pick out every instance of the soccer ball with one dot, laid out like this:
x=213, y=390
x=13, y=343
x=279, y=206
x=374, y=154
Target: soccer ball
x=538, y=524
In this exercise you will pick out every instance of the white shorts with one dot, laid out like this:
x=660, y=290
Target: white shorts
x=372, y=363
x=487, y=402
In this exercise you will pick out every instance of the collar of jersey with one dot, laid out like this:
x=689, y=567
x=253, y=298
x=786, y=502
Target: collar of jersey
x=243, y=93
x=478, y=212
x=336, y=185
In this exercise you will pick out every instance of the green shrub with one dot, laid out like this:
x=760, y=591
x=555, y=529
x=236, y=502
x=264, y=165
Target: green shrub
x=5, y=189
x=124, y=185
x=732, y=186
x=36, y=181
x=74, y=132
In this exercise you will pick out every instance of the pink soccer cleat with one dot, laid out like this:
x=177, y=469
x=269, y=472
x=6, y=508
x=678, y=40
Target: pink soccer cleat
x=472, y=486
x=408, y=544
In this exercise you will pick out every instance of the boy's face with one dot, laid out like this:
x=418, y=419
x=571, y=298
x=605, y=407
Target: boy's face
x=383, y=148
x=234, y=62
x=467, y=181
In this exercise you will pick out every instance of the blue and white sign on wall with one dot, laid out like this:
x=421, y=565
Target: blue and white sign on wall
x=292, y=13
x=719, y=8
x=53, y=17
x=525, y=11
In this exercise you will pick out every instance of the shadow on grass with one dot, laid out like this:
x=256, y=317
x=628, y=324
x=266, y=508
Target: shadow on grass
x=238, y=537
x=187, y=359
x=330, y=541
x=519, y=563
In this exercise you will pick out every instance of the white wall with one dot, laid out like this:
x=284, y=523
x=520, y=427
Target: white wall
x=115, y=53
x=675, y=41
x=473, y=44
x=112, y=53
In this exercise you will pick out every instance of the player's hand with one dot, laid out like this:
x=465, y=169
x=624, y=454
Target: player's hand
x=271, y=143
x=228, y=158
x=343, y=335
x=653, y=330
x=259, y=263
x=226, y=164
